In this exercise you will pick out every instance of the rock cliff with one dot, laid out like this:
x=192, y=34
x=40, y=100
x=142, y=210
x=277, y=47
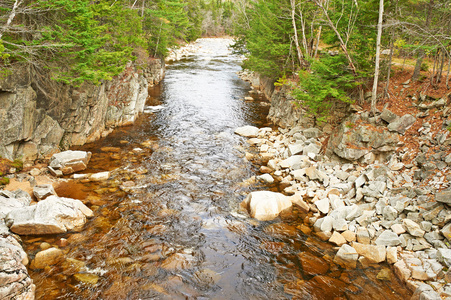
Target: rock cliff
x=38, y=115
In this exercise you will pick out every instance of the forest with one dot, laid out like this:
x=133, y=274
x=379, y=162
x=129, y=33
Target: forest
x=325, y=49
x=91, y=41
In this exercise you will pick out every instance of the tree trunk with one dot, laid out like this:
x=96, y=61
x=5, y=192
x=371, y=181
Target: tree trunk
x=296, y=40
x=304, y=39
x=387, y=84
x=378, y=54
x=447, y=74
x=433, y=68
x=416, y=71
x=11, y=16
x=440, y=71
x=317, y=40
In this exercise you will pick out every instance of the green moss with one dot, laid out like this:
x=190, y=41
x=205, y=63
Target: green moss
x=18, y=164
x=4, y=181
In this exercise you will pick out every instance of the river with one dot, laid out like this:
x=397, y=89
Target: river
x=167, y=223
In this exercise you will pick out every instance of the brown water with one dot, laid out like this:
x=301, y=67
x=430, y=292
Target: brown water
x=167, y=224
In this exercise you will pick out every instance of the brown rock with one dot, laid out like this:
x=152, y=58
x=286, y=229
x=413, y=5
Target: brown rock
x=313, y=265
x=47, y=257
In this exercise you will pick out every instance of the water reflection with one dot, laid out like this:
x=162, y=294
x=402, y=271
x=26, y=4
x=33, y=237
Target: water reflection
x=167, y=224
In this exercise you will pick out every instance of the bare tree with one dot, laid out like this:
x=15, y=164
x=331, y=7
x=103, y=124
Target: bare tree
x=11, y=16
x=296, y=40
x=378, y=54
x=342, y=43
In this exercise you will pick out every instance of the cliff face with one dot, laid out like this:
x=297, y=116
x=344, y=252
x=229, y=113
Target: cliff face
x=38, y=115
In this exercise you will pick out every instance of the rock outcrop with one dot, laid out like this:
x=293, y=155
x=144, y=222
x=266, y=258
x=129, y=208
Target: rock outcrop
x=38, y=115
x=15, y=282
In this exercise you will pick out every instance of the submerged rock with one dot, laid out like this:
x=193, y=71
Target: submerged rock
x=265, y=205
x=48, y=257
x=50, y=216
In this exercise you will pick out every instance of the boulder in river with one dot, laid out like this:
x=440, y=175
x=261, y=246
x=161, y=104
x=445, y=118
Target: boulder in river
x=47, y=257
x=247, y=131
x=50, y=216
x=265, y=205
x=69, y=162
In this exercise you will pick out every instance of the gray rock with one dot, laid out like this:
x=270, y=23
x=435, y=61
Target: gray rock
x=413, y=228
x=294, y=149
x=311, y=148
x=360, y=181
x=354, y=139
x=323, y=205
x=426, y=226
x=354, y=212
x=346, y=257
x=43, y=191
x=390, y=213
x=311, y=133
x=314, y=174
x=340, y=225
x=342, y=175
x=50, y=216
x=402, y=124
x=444, y=256
x=363, y=236
x=295, y=162
x=13, y=200
x=388, y=116
x=388, y=238
x=69, y=162
x=425, y=292
x=443, y=197
x=265, y=205
x=446, y=231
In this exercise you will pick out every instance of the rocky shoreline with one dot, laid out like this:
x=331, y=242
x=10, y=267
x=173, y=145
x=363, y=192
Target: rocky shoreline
x=373, y=211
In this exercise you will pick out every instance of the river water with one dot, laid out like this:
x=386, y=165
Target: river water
x=167, y=223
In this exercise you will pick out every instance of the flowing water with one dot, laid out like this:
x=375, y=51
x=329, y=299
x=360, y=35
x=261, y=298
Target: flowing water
x=167, y=223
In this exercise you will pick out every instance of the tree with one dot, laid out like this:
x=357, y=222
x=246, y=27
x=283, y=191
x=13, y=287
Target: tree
x=378, y=52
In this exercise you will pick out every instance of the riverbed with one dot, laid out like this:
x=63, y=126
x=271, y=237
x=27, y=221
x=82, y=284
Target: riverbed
x=167, y=223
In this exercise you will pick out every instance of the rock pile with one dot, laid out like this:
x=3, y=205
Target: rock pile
x=373, y=213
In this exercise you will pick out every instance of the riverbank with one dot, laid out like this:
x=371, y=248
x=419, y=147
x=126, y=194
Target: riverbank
x=376, y=188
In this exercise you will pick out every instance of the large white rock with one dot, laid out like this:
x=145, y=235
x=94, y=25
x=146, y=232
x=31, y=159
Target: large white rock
x=247, y=131
x=70, y=161
x=50, y=216
x=13, y=200
x=265, y=205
